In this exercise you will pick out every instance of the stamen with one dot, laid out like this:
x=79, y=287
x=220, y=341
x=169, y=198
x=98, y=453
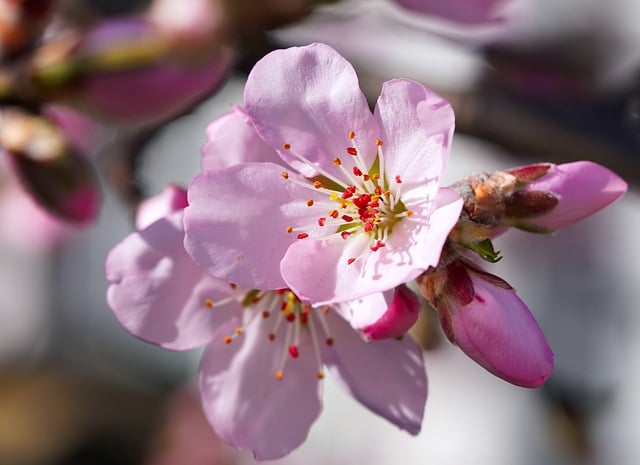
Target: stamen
x=309, y=202
x=351, y=260
x=284, y=175
x=208, y=303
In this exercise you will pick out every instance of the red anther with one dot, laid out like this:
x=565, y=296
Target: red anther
x=317, y=184
x=345, y=235
x=357, y=171
x=352, y=151
x=309, y=202
x=347, y=218
x=366, y=177
x=283, y=305
x=374, y=204
x=265, y=314
x=293, y=350
x=337, y=161
x=325, y=309
x=333, y=214
x=398, y=180
x=233, y=285
x=281, y=291
x=303, y=236
x=352, y=135
x=362, y=200
x=285, y=175
x=368, y=227
x=306, y=309
x=378, y=142
x=289, y=229
x=304, y=318
x=286, y=146
x=322, y=221
x=291, y=317
x=272, y=336
x=378, y=190
x=351, y=260
x=255, y=299
x=347, y=194
x=329, y=341
x=377, y=246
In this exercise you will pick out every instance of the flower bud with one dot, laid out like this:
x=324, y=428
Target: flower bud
x=60, y=179
x=563, y=195
x=482, y=315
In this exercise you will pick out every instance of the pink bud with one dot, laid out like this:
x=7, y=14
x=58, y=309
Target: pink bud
x=483, y=315
x=581, y=188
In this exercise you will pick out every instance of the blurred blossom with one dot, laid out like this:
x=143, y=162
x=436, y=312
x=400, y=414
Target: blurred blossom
x=58, y=177
x=128, y=71
x=459, y=11
x=21, y=23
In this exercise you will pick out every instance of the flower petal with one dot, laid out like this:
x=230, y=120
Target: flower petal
x=417, y=128
x=172, y=199
x=478, y=12
x=388, y=377
x=157, y=291
x=232, y=140
x=497, y=330
x=245, y=403
x=382, y=315
x=236, y=222
x=583, y=188
x=309, y=97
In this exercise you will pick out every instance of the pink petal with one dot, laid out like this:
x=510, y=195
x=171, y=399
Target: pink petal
x=232, y=140
x=236, y=222
x=399, y=317
x=157, y=291
x=245, y=403
x=309, y=97
x=319, y=270
x=497, y=330
x=417, y=127
x=388, y=377
x=172, y=199
x=583, y=188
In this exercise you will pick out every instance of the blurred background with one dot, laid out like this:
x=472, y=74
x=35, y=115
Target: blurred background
x=123, y=91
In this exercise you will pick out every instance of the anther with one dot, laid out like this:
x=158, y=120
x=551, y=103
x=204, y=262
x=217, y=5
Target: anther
x=293, y=351
x=398, y=180
x=320, y=374
x=317, y=184
x=329, y=341
x=322, y=221
x=345, y=235
x=351, y=260
x=357, y=171
x=279, y=375
x=285, y=175
x=347, y=218
x=378, y=142
x=272, y=336
x=352, y=135
x=309, y=202
x=238, y=330
x=303, y=235
x=286, y=146
x=266, y=314
x=333, y=214
x=337, y=161
x=289, y=229
x=228, y=339
x=352, y=151
x=208, y=303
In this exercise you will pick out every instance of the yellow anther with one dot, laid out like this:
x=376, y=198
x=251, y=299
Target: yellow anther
x=279, y=375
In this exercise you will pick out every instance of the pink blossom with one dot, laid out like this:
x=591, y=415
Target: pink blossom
x=475, y=12
x=576, y=190
x=358, y=209
x=266, y=351
x=482, y=315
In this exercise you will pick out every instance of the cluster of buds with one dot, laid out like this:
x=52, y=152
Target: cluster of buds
x=480, y=312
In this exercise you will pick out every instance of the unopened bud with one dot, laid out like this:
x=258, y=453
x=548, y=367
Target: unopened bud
x=61, y=180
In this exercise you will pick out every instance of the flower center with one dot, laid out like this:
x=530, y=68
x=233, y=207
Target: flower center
x=363, y=201
x=293, y=320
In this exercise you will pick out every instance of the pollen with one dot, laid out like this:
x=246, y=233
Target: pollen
x=208, y=303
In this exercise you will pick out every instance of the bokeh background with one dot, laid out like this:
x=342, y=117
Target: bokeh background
x=550, y=80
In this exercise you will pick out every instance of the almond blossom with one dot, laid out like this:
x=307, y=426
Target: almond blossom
x=350, y=203
x=266, y=351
